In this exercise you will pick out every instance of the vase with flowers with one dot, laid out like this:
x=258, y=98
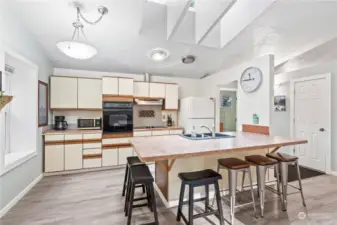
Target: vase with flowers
x=4, y=100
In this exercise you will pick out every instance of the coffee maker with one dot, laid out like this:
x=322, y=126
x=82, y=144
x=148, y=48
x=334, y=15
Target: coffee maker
x=60, y=123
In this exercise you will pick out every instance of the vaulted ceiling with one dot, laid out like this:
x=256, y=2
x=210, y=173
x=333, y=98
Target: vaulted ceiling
x=285, y=28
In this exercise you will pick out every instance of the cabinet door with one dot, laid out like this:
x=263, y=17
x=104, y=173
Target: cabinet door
x=157, y=90
x=110, y=157
x=123, y=153
x=171, y=96
x=54, y=158
x=73, y=156
x=89, y=93
x=141, y=89
x=125, y=86
x=110, y=85
x=63, y=93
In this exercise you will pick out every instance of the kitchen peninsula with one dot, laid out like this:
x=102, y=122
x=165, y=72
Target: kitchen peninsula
x=175, y=154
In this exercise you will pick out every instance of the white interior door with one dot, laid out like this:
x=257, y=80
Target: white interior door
x=312, y=120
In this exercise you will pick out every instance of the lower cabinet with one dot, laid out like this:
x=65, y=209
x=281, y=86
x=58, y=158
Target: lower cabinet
x=73, y=156
x=92, y=162
x=123, y=153
x=110, y=157
x=54, y=158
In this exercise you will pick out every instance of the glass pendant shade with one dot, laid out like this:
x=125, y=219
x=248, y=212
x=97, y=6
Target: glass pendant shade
x=77, y=50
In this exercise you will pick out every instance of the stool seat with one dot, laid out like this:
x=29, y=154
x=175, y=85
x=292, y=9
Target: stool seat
x=133, y=160
x=233, y=163
x=260, y=160
x=201, y=176
x=281, y=157
x=141, y=174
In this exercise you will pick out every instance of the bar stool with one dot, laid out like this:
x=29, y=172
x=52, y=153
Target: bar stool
x=262, y=163
x=235, y=165
x=196, y=179
x=140, y=175
x=131, y=161
x=284, y=160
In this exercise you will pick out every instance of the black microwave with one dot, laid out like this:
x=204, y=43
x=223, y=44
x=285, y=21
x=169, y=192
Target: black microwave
x=89, y=123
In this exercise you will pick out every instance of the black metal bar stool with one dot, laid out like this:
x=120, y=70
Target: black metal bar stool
x=196, y=179
x=262, y=163
x=235, y=165
x=131, y=161
x=284, y=161
x=140, y=175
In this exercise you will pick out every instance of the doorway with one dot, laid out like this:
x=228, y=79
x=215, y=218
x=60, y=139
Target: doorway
x=311, y=120
x=228, y=105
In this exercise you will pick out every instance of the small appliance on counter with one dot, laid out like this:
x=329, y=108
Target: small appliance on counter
x=89, y=123
x=169, y=121
x=60, y=123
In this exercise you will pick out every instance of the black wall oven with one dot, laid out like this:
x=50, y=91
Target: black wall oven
x=117, y=117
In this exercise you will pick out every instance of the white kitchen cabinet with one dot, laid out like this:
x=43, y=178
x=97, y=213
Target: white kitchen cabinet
x=174, y=132
x=142, y=133
x=160, y=132
x=171, y=97
x=141, y=89
x=123, y=153
x=110, y=157
x=89, y=93
x=110, y=85
x=54, y=158
x=73, y=156
x=63, y=92
x=125, y=86
x=92, y=163
x=157, y=90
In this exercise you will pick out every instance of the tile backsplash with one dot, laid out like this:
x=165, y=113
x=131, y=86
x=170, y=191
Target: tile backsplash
x=139, y=121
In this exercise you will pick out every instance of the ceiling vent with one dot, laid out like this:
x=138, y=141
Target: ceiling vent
x=189, y=59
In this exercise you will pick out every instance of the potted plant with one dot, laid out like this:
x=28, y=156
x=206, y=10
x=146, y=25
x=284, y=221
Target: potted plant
x=4, y=100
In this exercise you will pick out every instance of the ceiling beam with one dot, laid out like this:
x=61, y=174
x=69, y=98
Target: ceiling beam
x=176, y=12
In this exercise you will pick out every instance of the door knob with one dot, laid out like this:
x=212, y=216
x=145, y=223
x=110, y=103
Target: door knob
x=322, y=129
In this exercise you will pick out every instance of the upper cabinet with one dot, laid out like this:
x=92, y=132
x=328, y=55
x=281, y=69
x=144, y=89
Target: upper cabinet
x=125, y=86
x=89, y=93
x=117, y=86
x=63, y=93
x=141, y=89
x=171, y=97
x=157, y=90
x=110, y=85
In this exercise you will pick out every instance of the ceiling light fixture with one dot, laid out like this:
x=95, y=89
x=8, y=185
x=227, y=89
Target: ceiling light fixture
x=78, y=48
x=159, y=54
x=188, y=59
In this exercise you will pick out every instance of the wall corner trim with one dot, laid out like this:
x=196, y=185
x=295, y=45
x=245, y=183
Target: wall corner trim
x=15, y=200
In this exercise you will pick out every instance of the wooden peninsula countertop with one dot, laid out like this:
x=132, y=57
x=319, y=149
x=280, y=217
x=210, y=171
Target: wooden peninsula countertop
x=157, y=148
x=72, y=131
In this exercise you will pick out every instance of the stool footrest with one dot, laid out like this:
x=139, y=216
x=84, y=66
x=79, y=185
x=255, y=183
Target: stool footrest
x=140, y=205
x=139, y=199
x=195, y=200
x=204, y=214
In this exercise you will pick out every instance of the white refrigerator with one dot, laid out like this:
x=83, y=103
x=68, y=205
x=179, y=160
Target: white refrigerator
x=197, y=112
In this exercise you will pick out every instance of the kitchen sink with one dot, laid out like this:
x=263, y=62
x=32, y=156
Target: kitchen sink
x=206, y=136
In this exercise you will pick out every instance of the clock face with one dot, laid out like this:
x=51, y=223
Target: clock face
x=251, y=79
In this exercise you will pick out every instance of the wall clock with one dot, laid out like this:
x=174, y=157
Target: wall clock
x=251, y=79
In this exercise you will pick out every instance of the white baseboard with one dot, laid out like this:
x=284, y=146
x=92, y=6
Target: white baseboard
x=19, y=196
x=334, y=173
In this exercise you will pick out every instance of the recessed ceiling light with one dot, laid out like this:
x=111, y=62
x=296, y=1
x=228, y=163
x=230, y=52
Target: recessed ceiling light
x=188, y=59
x=158, y=54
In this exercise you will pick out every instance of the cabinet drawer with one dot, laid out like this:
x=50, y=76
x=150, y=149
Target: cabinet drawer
x=142, y=133
x=123, y=140
x=160, y=132
x=57, y=137
x=93, y=151
x=172, y=132
x=69, y=137
x=92, y=163
x=92, y=136
x=110, y=157
x=110, y=141
x=92, y=145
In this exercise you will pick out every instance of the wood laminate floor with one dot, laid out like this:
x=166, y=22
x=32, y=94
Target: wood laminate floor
x=95, y=199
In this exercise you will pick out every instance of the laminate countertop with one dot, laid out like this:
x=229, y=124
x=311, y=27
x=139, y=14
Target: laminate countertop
x=156, y=128
x=72, y=131
x=156, y=148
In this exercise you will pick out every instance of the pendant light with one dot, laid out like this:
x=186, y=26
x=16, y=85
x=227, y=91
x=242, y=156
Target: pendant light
x=78, y=47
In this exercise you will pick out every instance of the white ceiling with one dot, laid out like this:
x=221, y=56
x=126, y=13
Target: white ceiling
x=125, y=36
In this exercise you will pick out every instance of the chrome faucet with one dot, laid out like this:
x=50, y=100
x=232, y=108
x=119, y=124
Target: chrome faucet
x=211, y=131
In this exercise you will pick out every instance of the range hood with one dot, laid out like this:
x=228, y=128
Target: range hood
x=149, y=101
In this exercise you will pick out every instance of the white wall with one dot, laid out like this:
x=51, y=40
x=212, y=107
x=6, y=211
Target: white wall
x=187, y=87
x=13, y=35
x=259, y=102
x=328, y=67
